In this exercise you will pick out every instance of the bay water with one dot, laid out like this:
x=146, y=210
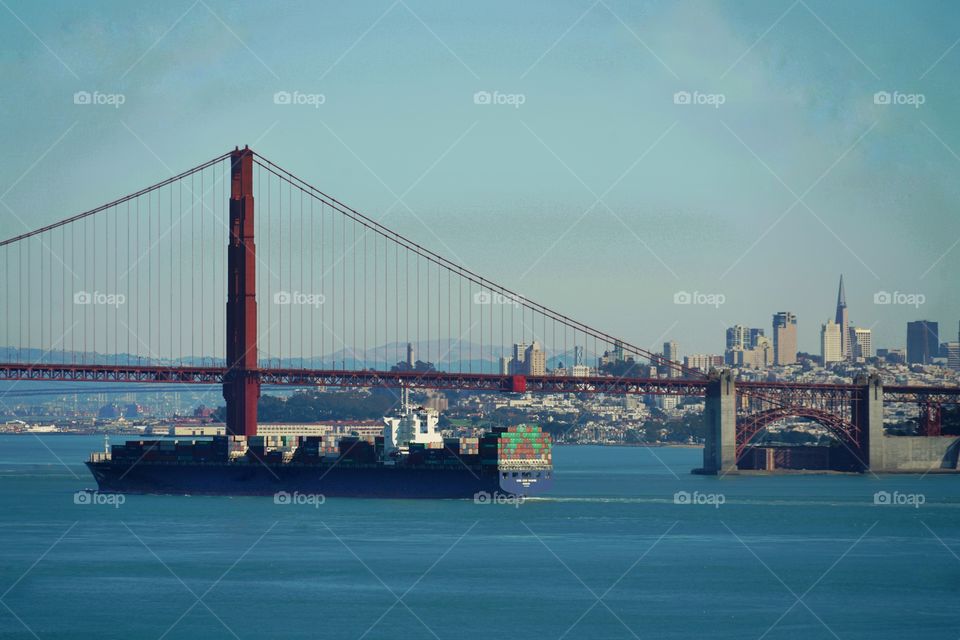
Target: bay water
x=628, y=544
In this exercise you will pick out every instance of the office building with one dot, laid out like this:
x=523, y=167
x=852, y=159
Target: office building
x=741, y=338
x=923, y=341
x=861, y=342
x=831, y=344
x=515, y=365
x=671, y=352
x=738, y=337
x=703, y=362
x=784, y=338
x=535, y=360
x=758, y=357
x=951, y=351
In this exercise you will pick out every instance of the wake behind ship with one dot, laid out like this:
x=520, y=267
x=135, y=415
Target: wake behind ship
x=516, y=461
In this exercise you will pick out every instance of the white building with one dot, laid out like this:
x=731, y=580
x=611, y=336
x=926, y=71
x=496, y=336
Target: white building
x=861, y=342
x=667, y=403
x=831, y=342
x=536, y=360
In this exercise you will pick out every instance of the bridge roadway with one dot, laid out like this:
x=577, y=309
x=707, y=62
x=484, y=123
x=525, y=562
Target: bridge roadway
x=212, y=375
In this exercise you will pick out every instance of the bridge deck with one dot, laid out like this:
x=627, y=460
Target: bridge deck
x=444, y=380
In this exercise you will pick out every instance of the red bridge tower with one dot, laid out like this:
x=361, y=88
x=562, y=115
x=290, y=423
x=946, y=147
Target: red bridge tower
x=241, y=385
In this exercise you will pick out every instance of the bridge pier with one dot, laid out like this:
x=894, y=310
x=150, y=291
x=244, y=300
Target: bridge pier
x=925, y=453
x=720, y=416
x=868, y=417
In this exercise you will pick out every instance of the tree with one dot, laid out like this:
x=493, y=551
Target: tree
x=313, y=406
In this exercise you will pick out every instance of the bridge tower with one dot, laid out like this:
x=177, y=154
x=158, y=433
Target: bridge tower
x=720, y=415
x=241, y=384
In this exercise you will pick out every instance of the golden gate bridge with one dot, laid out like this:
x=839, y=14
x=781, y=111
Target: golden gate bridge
x=188, y=282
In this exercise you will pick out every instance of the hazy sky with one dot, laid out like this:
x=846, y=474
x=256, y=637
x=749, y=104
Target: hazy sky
x=798, y=176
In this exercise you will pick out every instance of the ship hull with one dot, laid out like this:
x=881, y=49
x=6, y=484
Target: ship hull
x=374, y=481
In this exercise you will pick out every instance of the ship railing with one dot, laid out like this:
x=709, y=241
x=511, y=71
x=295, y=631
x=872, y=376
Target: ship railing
x=99, y=456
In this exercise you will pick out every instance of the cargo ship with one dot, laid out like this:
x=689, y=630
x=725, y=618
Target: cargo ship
x=411, y=460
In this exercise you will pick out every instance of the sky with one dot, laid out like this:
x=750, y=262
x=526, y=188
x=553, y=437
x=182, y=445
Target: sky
x=602, y=158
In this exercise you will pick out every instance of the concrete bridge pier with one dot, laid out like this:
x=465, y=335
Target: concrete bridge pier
x=899, y=454
x=868, y=416
x=720, y=415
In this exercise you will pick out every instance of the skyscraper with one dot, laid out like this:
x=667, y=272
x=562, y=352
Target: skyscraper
x=862, y=342
x=741, y=337
x=830, y=343
x=923, y=341
x=842, y=320
x=535, y=360
x=784, y=338
x=516, y=365
x=738, y=337
x=671, y=351
x=519, y=352
x=953, y=355
x=953, y=352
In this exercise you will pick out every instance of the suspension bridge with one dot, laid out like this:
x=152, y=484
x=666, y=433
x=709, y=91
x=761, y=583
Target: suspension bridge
x=187, y=281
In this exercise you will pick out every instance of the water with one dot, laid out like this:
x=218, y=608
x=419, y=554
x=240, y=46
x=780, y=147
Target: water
x=608, y=555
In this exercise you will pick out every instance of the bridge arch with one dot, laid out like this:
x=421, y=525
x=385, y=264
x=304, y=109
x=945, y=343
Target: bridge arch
x=753, y=425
